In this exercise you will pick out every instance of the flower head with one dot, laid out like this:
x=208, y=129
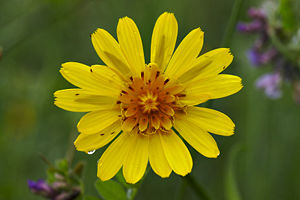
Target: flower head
x=138, y=106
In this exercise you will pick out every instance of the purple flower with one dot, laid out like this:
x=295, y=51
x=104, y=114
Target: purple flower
x=258, y=58
x=255, y=13
x=40, y=187
x=270, y=83
x=255, y=57
x=253, y=27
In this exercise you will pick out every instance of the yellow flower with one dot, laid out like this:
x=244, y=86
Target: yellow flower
x=141, y=105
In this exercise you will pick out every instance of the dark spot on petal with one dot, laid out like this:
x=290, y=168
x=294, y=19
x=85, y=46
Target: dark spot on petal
x=91, y=70
x=102, y=134
x=76, y=94
x=118, y=102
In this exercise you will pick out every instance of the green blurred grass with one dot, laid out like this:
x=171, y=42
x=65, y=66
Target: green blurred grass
x=37, y=36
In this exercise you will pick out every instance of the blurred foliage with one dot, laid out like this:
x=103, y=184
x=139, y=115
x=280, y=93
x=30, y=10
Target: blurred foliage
x=37, y=36
x=110, y=190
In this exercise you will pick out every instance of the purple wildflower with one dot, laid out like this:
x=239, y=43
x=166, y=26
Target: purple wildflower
x=40, y=187
x=259, y=58
x=254, y=57
x=270, y=83
x=255, y=13
x=253, y=27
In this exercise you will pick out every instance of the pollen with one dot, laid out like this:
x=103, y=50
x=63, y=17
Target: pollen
x=149, y=102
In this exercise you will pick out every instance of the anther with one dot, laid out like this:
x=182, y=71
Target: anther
x=124, y=92
x=142, y=75
x=166, y=81
x=157, y=74
x=118, y=102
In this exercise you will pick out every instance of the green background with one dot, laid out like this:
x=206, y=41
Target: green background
x=37, y=36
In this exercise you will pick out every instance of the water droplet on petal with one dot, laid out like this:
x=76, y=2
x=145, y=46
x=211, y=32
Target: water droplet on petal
x=91, y=152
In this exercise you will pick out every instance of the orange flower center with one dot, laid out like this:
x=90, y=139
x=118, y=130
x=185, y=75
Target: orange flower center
x=150, y=102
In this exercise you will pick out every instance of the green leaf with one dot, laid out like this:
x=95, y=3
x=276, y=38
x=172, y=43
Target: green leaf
x=231, y=188
x=122, y=180
x=90, y=198
x=110, y=190
x=62, y=165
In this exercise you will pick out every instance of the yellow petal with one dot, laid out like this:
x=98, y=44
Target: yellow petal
x=214, y=87
x=109, y=51
x=201, y=140
x=185, y=54
x=157, y=157
x=135, y=164
x=82, y=76
x=208, y=64
x=210, y=120
x=96, y=121
x=221, y=58
x=195, y=70
x=177, y=154
x=163, y=39
x=79, y=100
x=112, y=159
x=194, y=99
x=107, y=78
x=90, y=142
x=131, y=45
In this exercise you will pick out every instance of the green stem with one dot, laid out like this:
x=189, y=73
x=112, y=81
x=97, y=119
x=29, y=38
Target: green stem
x=232, y=23
x=198, y=189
